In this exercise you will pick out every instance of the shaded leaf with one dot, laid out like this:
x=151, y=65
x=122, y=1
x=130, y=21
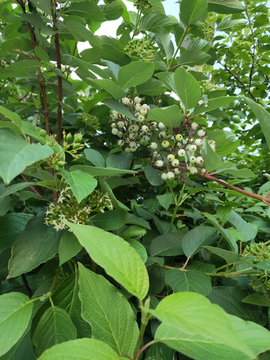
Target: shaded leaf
x=187, y=88
x=167, y=245
x=135, y=73
x=197, y=238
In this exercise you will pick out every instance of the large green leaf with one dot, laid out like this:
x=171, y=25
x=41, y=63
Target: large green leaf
x=80, y=349
x=114, y=321
x=86, y=9
x=116, y=256
x=196, y=238
x=151, y=87
x=22, y=67
x=94, y=157
x=80, y=33
x=11, y=226
x=15, y=118
x=153, y=175
x=108, y=85
x=100, y=171
x=225, y=6
x=193, y=57
x=198, y=329
x=164, y=42
x=111, y=220
x=211, y=160
x=69, y=246
x=15, y=313
x=44, y=5
x=54, y=327
x=228, y=256
x=239, y=223
x=227, y=236
x=192, y=280
x=170, y=116
x=215, y=103
x=191, y=11
x=263, y=116
x=187, y=88
x=17, y=154
x=167, y=245
x=150, y=21
x=135, y=73
x=168, y=80
x=36, y=244
x=81, y=183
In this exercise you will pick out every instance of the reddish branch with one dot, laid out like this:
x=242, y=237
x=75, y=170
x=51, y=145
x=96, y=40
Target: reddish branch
x=42, y=85
x=32, y=187
x=264, y=198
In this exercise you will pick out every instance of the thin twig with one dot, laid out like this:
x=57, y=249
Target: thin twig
x=32, y=187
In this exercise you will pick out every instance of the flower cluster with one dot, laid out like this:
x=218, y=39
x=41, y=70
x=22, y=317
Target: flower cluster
x=142, y=48
x=68, y=208
x=90, y=120
x=133, y=133
x=142, y=5
x=261, y=251
x=180, y=154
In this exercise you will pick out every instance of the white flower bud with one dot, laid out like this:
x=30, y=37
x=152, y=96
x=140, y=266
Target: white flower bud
x=170, y=175
x=137, y=100
x=159, y=163
x=181, y=152
x=199, y=160
x=161, y=126
x=193, y=170
x=194, y=126
x=170, y=157
x=120, y=142
x=125, y=101
x=198, y=142
x=145, y=106
x=121, y=124
x=113, y=125
x=203, y=170
x=133, y=128
x=145, y=128
x=127, y=150
x=201, y=133
x=120, y=134
x=114, y=131
x=153, y=125
x=192, y=148
x=164, y=176
x=133, y=149
x=175, y=162
x=132, y=135
x=132, y=144
x=143, y=111
x=153, y=145
x=115, y=114
x=178, y=137
x=163, y=135
x=165, y=144
x=141, y=117
x=176, y=171
x=138, y=107
x=192, y=159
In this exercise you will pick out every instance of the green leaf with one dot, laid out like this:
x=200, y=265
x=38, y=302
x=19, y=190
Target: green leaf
x=253, y=335
x=256, y=299
x=139, y=248
x=41, y=54
x=120, y=160
x=54, y=327
x=80, y=349
x=97, y=171
x=230, y=299
x=36, y=244
x=113, y=10
x=229, y=256
x=167, y=245
x=120, y=108
x=87, y=10
x=211, y=159
x=80, y=33
x=168, y=79
x=192, y=280
x=150, y=21
x=69, y=246
x=153, y=175
x=151, y=87
x=224, y=212
x=111, y=220
x=117, y=257
x=187, y=88
x=225, y=6
x=190, y=326
x=94, y=157
x=17, y=154
x=193, y=57
x=135, y=73
x=239, y=173
x=196, y=238
x=15, y=118
x=110, y=86
x=16, y=310
x=170, y=116
x=82, y=184
x=22, y=67
x=165, y=200
x=230, y=240
x=263, y=117
x=11, y=226
x=239, y=223
x=191, y=11
x=44, y=5
x=227, y=23
x=215, y=103
x=114, y=321
x=163, y=39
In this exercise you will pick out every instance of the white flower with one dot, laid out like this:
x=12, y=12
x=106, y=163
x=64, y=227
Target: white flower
x=194, y=126
x=137, y=100
x=165, y=143
x=114, y=131
x=192, y=148
x=170, y=175
x=193, y=170
x=121, y=124
x=164, y=176
x=199, y=160
x=201, y=133
x=143, y=111
x=198, y=142
x=125, y=101
x=138, y=107
x=181, y=152
x=159, y=163
x=170, y=157
x=192, y=159
x=153, y=145
x=175, y=162
x=161, y=126
x=145, y=128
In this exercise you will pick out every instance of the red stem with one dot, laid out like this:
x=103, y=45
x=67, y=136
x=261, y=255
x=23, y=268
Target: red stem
x=264, y=198
x=32, y=187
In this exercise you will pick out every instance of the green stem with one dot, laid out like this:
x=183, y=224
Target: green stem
x=144, y=322
x=178, y=47
x=146, y=346
x=137, y=23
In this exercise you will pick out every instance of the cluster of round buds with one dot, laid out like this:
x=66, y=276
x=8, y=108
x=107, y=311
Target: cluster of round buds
x=179, y=154
x=133, y=133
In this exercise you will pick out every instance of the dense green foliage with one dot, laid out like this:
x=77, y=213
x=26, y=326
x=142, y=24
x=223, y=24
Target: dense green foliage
x=134, y=206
